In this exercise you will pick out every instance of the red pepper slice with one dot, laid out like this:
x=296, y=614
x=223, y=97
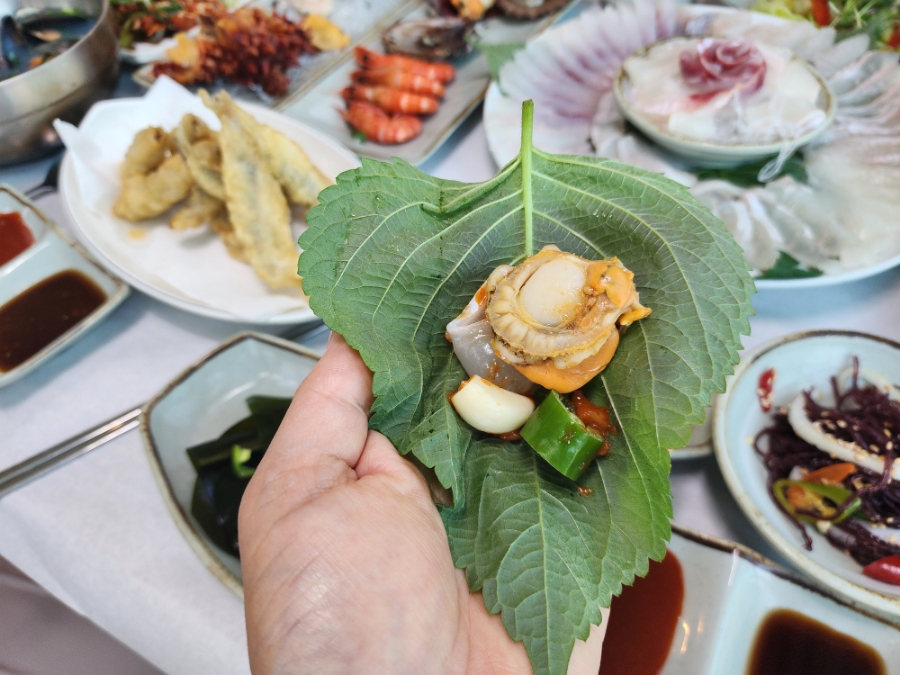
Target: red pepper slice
x=886, y=570
x=821, y=12
x=894, y=41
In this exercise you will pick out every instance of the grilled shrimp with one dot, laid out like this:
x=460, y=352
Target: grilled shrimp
x=442, y=72
x=392, y=100
x=395, y=78
x=378, y=126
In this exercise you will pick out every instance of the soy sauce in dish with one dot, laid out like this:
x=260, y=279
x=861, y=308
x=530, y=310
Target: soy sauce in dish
x=15, y=237
x=642, y=621
x=36, y=317
x=789, y=643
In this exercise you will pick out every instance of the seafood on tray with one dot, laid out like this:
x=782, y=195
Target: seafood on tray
x=390, y=91
x=240, y=180
x=249, y=46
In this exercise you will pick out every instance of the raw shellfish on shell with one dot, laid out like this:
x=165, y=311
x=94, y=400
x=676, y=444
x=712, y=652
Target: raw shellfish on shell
x=556, y=317
x=529, y=9
x=437, y=37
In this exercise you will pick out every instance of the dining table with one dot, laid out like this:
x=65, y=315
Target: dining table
x=96, y=533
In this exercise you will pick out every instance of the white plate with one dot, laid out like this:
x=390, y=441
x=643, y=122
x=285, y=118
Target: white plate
x=109, y=241
x=52, y=252
x=801, y=361
x=569, y=130
x=198, y=406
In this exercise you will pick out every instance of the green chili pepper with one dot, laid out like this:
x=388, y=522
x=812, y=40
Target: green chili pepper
x=817, y=494
x=557, y=435
x=239, y=458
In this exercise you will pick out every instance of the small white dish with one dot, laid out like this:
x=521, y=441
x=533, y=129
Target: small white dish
x=710, y=153
x=198, y=406
x=51, y=253
x=729, y=591
x=801, y=361
x=203, y=279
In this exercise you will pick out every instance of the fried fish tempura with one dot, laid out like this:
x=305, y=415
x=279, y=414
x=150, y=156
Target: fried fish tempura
x=151, y=195
x=201, y=207
x=148, y=149
x=299, y=177
x=222, y=226
x=301, y=180
x=257, y=207
x=200, y=147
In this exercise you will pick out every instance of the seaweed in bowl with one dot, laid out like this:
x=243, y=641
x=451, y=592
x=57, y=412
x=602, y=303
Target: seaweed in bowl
x=225, y=465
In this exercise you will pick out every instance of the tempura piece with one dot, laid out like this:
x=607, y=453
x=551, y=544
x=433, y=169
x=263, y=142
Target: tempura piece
x=201, y=207
x=159, y=188
x=200, y=147
x=148, y=149
x=257, y=207
x=299, y=177
x=222, y=226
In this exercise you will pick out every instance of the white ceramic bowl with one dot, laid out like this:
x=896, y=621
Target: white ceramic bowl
x=708, y=153
x=52, y=252
x=801, y=361
x=198, y=406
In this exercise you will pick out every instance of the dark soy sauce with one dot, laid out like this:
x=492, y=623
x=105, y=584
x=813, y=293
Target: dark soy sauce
x=789, y=643
x=642, y=621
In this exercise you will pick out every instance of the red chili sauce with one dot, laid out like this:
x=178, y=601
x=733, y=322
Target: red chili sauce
x=15, y=236
x=594, y=417
x=642, y=621
x=789, y=643
x=35, y=318
x=764, y=389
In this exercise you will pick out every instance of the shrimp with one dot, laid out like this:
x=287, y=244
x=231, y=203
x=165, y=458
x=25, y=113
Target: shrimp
x=403, y=80
x=378, y=126
x=392, y=100
x=442, y=72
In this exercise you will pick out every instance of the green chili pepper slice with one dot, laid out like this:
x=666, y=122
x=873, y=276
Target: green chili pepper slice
x=557, y=435
x=823, y=499
x=239, y=458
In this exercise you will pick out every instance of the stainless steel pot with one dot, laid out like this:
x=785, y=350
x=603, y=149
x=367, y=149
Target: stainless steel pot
x=64, y=87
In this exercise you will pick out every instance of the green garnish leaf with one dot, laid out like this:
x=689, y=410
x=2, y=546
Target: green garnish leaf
x=788, y=267
x=498, y=54
x=359, y=136
x=392, y=255
x=747, y=175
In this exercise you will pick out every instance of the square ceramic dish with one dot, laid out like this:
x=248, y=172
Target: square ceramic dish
x=52, y=252
x=728, y=592
x=198, y=406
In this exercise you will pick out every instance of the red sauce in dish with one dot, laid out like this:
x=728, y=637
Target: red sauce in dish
x=15, y=236
x=33, y=319
x=642, y=621
x=764, y=389
x=789, y=643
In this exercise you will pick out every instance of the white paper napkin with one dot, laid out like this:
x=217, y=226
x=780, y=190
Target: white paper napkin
x=192, y=265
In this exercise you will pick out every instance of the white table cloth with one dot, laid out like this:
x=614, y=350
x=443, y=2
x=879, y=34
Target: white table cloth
x=96, y=533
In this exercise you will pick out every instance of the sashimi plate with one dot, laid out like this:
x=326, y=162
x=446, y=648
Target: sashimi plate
x=837, y=218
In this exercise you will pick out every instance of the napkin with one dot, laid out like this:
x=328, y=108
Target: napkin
x=191, y=268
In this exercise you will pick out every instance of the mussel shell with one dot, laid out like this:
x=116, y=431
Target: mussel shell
x=13, y=43
x=529, y=9
x=434, y=38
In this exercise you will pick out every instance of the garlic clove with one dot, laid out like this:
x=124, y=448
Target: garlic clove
x=490, y=408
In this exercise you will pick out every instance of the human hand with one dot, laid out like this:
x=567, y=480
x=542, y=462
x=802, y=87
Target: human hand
x=345, y=559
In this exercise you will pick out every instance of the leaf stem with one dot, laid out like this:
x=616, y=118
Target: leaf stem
x=525, y=154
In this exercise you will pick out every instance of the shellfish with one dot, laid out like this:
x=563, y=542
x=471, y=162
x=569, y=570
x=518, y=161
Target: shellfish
x=556, y=317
